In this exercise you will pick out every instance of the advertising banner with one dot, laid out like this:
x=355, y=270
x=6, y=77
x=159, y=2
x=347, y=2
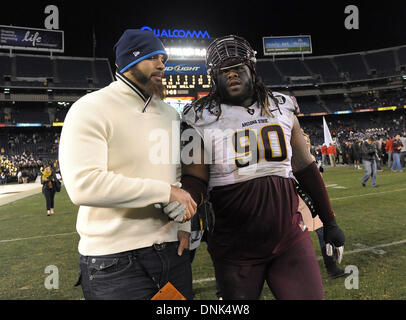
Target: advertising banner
x=287, y=45
x=20, y=38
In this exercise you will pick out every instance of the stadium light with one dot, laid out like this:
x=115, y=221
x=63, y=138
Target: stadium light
x=186, y=52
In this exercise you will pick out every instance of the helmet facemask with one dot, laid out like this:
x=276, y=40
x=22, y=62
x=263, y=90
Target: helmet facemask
x=228, y=51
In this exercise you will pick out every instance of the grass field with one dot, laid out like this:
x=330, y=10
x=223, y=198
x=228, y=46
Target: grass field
x=373, y=219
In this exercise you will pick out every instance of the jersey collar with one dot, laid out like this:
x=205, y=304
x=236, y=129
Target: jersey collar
x=132, y=86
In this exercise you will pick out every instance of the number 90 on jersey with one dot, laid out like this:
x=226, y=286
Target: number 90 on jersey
x=252, y=148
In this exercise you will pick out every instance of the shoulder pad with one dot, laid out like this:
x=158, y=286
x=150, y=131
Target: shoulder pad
x=193, y=119
x=188, y=114
x=287, y=102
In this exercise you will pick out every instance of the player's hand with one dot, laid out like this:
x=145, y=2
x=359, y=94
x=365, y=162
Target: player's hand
x=334, y=238
x=176, y=211
x=337, y=253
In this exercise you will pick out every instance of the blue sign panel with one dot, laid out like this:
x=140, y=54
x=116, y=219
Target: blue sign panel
x=20, y=38
x=287, y=45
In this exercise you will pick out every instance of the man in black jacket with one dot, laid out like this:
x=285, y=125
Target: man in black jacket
x=369, y=160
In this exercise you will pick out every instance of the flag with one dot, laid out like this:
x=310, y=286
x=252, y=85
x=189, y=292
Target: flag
x=327, y=134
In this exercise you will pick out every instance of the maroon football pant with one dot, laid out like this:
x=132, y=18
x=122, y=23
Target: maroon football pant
x=292, y=275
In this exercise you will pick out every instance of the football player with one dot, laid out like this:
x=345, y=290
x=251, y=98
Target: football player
x=252, y=148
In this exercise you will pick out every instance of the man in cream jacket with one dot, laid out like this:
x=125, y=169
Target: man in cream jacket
x=118, y=156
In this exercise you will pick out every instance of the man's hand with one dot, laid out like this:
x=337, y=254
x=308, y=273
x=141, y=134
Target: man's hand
x=335, y=239
x=183, y=198
x=184, y=241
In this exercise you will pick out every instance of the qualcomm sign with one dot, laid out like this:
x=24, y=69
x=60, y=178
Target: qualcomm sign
x=178, y=33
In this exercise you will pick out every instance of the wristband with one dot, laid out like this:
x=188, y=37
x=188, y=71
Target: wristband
x=312, y=183
x=196, y=187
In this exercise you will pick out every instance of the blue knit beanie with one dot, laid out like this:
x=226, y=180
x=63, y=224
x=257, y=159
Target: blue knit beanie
x=136, y=45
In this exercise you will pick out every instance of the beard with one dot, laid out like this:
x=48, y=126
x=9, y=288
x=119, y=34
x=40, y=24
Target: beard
x=151, y=88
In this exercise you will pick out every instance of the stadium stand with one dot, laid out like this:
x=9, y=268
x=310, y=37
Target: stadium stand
x=323, y=69
x=401, y=53
x=381, y=63
x=351, y=67
x=339, y=68
x=268, y=73
x=39, y=71
x=5, y=69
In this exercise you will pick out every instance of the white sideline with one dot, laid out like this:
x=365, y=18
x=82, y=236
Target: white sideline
x=38, y=237
x=368, y=194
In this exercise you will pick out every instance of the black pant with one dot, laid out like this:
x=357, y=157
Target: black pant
x=49, y=197
x=135, y=274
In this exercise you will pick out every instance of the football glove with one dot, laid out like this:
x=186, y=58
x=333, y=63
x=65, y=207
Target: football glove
x=334, y=238
x=175, y=211
x=337, y=253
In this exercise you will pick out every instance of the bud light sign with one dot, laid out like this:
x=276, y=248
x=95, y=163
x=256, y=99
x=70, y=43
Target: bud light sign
x=178, y=33
x=171, y=68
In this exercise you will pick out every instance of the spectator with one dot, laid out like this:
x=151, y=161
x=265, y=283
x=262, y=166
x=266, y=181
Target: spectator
x=389, y=151
x=403, y=150
x=20, y=176
x=323, y=150
x=332, y=153
x=397, y=146
x=369, y=161
x=48, y=179
x=356, y=154
x=3, y=178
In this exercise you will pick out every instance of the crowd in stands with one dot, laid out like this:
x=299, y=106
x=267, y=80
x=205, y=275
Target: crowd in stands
x=371, y=100
x=350, y=128
x=41, y=143
x=23, y=155
x=22, y=168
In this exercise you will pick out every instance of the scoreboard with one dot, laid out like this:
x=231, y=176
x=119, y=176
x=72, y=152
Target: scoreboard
x=184, y=84
x=186, y=78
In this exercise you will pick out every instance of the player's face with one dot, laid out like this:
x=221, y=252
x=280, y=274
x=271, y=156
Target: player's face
x=235, y=85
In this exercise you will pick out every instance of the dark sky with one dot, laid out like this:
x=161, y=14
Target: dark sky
x=380, y=26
